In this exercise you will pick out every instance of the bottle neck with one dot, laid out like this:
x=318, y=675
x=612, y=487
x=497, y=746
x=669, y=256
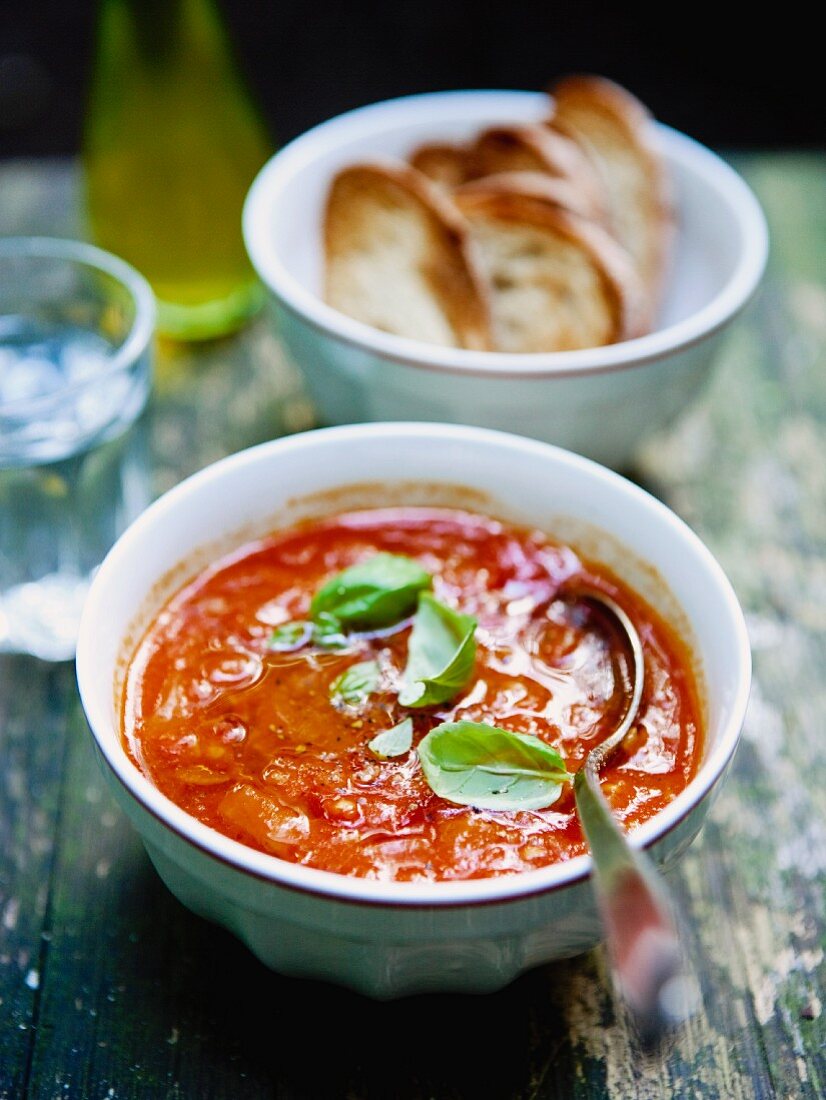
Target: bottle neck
x=157, y=27
x=160, y=29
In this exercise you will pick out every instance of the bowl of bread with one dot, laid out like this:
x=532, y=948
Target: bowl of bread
x=559, y=265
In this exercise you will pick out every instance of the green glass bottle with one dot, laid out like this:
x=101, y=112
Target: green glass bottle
x=172, y=142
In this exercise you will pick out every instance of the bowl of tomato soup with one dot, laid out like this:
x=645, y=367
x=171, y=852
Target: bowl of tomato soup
x=341, y=684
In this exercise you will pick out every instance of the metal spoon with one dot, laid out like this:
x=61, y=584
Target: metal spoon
x=643, y=943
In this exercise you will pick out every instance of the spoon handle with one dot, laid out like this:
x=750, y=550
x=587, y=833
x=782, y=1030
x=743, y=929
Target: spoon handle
x=641, y=932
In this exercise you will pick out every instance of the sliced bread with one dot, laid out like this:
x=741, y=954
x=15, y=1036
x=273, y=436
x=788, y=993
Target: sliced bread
x=558, y=281
x=445, y=164
x=537, y=148
x=555, y=190
x=616, y=131
x=398, y=257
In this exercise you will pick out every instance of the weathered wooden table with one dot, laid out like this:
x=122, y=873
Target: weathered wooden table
x=109, y=988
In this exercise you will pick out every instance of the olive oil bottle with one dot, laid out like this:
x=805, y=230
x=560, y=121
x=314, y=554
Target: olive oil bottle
x=172, y=142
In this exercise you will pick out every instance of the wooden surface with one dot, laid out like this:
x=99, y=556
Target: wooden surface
x=110, y=988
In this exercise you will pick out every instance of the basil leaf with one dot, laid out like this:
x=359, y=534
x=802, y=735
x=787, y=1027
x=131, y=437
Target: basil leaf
x=357, y=682
x=376, y=592
x=290, y=636
x=327, y=632
x=440, y=655
x=393, y=742
x=479, y=765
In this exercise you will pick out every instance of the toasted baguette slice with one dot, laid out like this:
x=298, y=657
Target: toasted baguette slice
x=535, y=185
x=539, y=149
x=616, y=132
x=559, y=281
x=445, y=164
x=398, y=257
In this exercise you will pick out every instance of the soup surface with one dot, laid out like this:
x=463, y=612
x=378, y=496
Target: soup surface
x=257, y=741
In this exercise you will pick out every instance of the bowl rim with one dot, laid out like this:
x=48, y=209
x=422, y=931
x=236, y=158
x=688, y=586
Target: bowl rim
x=468, y=105
x=80, y=253
x=97, y=702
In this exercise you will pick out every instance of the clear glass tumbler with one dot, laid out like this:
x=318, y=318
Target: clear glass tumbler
x=76, y=328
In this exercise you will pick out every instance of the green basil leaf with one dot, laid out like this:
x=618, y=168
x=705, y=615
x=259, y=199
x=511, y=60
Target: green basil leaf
x=290, y=636
x=393, y=742
x=479, y=765
x=327, y=632
x=373, y=593
x=440, y=655
x=355, y=684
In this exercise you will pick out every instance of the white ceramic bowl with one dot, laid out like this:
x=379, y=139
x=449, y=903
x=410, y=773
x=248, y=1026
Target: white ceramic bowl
x=388, y=939
x=601, y=402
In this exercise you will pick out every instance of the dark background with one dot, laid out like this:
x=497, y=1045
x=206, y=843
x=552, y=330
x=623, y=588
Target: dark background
x=731, y=76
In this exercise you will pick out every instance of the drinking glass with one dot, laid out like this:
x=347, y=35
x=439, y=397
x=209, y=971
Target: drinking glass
x=76, y=325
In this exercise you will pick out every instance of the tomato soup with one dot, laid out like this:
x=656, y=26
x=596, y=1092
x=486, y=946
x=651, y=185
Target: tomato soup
x=245, y=704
